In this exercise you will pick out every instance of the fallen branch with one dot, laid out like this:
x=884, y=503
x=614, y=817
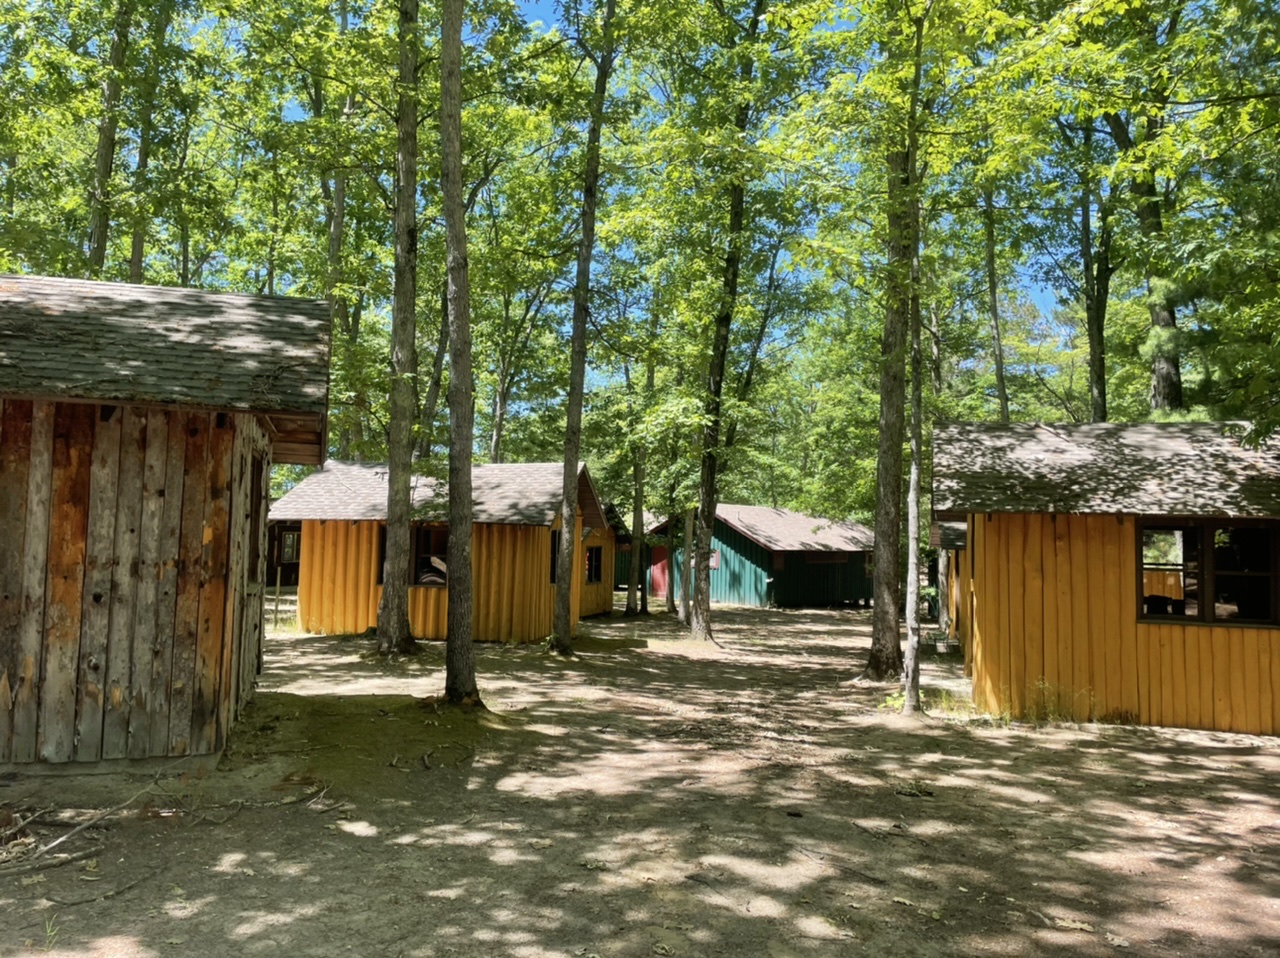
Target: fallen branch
x=35, y=866
x=14, y=829
x=45, y=849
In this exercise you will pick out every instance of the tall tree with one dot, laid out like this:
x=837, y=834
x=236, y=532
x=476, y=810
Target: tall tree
x=393, y=614
x=744, y=35
x=460, y=661
x=105, y=154
x=902, y=216
x=567, y=568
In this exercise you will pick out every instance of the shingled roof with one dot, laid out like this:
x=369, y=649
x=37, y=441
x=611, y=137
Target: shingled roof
x=1175, y=469
x=781, y=530
x=112, y=342
x=502, y=493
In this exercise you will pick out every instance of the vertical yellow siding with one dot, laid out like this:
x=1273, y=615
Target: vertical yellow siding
x=514, y=601
x=597, y=597
x=1054, y=630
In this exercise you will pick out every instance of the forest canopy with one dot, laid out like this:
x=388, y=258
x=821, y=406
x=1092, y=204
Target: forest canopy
x=1091, y=194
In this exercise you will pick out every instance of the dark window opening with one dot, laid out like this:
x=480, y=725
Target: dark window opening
x=595, y=564
x=1244, y=570
x=1211, y=571
x=555, y=553
x=430, y=556
x=289, y=546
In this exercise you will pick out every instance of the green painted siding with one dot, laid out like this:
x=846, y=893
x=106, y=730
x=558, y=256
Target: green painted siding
x=803, y=583
x=747, y=575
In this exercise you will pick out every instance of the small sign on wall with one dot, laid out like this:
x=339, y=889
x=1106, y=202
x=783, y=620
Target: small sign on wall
x=714, y=562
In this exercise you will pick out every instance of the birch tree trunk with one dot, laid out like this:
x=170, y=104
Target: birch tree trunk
x=393, y=612
x=460, y=656
x=911, y=664
x=105, y=154
x=567, y=567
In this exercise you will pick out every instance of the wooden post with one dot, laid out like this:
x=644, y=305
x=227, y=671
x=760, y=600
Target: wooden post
x=275, y=615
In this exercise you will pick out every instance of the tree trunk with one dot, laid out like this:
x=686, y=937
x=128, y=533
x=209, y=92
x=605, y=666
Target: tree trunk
x=146, y=133
x=944, y=591
x=993, y=300
x=637, y=529
x=911, y=664
x=1096, y=261
x=672, y=571
x=708, y=491
x=1166, y=369
x=432, y=400
x=105, y=154
x=885, y=660
x=686, y=567
x=903, y=222
x=499, y=418
x=460, y=655
x=567, y=568
x=393, y=613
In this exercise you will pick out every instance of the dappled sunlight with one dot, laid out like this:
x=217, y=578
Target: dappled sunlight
x=258, y=922
x=112, y=946
x=655, y=796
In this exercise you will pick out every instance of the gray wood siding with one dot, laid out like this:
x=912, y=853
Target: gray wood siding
x=130, y=625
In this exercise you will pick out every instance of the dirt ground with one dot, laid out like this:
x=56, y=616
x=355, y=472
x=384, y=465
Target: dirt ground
x=654, y=797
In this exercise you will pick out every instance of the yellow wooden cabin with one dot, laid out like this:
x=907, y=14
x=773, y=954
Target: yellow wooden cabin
x=138, y=425
x=342, y=508
x=1109, y=572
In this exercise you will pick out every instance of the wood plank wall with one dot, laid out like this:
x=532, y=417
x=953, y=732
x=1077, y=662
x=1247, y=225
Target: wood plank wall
x=338, y=591
x=116, y=610
x=1055, y=632
x=597, y=597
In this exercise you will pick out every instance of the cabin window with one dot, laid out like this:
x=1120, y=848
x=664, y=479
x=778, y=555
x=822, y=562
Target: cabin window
x=289, y=546
x=430, y=556
x=1171, y=571
x=595, y=564
x=1211, y=571
x=555, y=553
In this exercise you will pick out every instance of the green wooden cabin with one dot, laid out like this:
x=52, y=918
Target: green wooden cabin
x=768, y=557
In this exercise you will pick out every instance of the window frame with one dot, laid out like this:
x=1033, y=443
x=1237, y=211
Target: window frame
x=437, y=538
x=287, y=556
x=1207, y=586
x=595, y=564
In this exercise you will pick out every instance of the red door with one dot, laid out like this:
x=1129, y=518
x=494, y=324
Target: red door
x=658, y=572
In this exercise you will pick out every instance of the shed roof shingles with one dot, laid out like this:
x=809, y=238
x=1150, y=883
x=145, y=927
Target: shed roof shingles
x=118, y=342
x=781, y=530
x=1176, y=469
x=506, y=493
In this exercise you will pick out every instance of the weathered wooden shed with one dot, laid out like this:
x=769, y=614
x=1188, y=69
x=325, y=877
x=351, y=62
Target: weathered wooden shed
x=137, y=428
x=1118, y=572
x=342, y=509
x=763, y=557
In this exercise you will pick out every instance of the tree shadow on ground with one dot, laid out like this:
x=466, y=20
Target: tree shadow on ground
x=656, y=796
